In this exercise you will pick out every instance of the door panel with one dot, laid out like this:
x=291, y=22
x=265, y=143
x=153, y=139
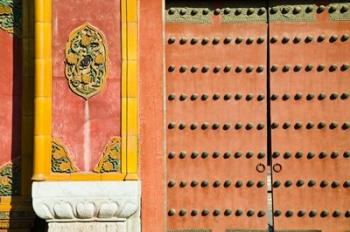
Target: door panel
x=309, y=81
x=216, y=123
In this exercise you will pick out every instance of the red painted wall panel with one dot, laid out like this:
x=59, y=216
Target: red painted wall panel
x=70, y=111
x=10, y=95
x=151, y=116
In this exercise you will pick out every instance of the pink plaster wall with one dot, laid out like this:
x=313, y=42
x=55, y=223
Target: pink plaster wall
x=151, y=116
x=68, y=108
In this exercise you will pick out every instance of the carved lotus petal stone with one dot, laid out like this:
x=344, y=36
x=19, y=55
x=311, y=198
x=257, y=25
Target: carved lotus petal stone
x=85, y=61
x=108, y=210
x=63, y=211
x=127, y=210
x=85, y=210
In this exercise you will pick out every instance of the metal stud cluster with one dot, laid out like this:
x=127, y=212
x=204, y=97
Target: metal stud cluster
x=309, y=39
x=216, y=69
x=310, y=96
x=311, y=125
x=217, y=212
x=218, y=11
x=311, y=183
x=312, y=213
x=310, y=67
x=216, y=155
x=215, y=126
x=215, y=97
x=216, y=40
x=216, y=184
x=335, y=8
x=310, y=155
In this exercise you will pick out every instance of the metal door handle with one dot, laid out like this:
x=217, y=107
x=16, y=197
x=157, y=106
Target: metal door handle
x=277, y=167
x=260, y=167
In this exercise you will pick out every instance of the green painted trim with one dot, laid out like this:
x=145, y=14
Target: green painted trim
x=4, y=215
x=286, y=13
x=229, y=11
x=338, y=15
x=9, y=179
x=233, y=17
x=189, y=17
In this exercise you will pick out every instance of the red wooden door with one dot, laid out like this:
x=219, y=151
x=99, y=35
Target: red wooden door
x=216, y=117
x=310, y=81
x=253, y=87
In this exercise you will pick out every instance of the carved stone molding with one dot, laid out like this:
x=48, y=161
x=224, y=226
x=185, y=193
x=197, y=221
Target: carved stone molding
x=86, y=201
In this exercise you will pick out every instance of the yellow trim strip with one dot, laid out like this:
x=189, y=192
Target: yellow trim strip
x=131, y=61
x=43, y=96
x=43, y=88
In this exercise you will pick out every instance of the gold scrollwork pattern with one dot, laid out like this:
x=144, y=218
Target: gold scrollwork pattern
x=60, y=161
x=85, y=61
x=9, y=179
x=110, y=159
x=10, y=15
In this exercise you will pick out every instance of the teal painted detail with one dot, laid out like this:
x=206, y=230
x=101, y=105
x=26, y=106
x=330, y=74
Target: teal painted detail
x=10, y=16
x=4, y=215
x=9, y=179
x=339, y=11
x=293, y=13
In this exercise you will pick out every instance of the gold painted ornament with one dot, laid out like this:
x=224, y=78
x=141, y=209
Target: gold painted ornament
x=9, y=178
x=60, y=160
x=11, y=16
x=85, y=61
x=110, y=159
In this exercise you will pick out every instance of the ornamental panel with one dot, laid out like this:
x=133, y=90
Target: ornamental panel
x=86, y=61
x=86, y=88
x=11, y=16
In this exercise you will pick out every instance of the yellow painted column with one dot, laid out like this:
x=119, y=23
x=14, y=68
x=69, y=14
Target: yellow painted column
x=130, y=61
x=43, y=88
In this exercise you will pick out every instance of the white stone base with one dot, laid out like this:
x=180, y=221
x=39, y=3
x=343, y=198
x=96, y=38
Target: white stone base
x=74, y=206
x=87, y=226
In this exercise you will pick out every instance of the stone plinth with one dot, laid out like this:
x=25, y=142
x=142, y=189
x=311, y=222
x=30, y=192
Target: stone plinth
x=106, y=206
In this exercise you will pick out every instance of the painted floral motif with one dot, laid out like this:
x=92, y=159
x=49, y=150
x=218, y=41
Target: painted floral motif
x=9, y=182
x=86, y=57
x=110, y=159
x=60, y=161
x=10, y=15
